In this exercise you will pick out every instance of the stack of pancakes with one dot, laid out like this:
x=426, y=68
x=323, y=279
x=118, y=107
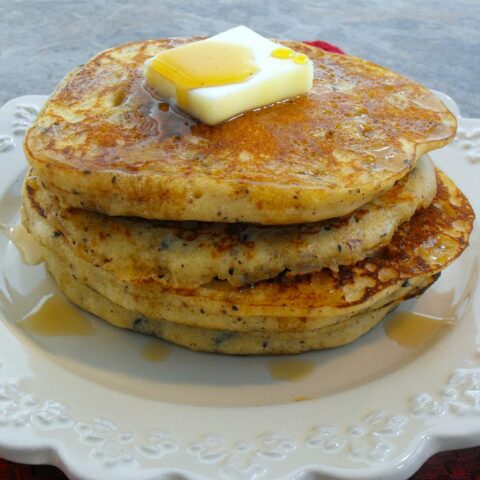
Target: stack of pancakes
x=294, y=227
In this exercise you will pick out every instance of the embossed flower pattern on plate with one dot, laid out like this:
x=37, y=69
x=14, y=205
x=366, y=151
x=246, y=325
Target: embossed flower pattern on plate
x=142, y=443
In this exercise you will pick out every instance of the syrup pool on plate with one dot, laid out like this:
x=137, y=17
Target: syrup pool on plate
x=414, y=330
x=56, y=316
x=30, y=250
x=155, y=351
x=290, y=369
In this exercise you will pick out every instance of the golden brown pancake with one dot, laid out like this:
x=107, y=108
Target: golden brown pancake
x=217, y=340
x=190, y=254
x=420, y=248
x=102, y=143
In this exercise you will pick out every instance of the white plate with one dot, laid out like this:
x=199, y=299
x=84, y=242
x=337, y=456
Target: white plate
x=97, y=409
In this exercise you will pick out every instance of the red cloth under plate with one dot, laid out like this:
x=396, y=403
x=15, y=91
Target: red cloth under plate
x=456, y=465
x=328, y=47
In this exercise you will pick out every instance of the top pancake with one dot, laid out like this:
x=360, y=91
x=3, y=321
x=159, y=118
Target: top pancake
x=102, y=143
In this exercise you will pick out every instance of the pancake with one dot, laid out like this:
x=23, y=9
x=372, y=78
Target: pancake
x=102, y=143
x=420, y=248
x=220, y=341
x=190, y=254
x=166, y=305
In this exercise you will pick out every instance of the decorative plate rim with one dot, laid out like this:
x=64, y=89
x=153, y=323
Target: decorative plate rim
x=369, y=443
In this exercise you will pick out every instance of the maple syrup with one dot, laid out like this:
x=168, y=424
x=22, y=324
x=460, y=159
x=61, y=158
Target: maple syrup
x=290, y=370
x=202, y=64
x=30, y=250
x=414, y=330
x=285, y=53
x=56, y=316
x=155, y=351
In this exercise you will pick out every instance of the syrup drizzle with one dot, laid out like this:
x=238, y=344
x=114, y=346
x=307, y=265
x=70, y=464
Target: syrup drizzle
x=155, y=351
x=290, y=370
x=30, y=250
x=415, y=330
x=55, y=316
x=200, y=64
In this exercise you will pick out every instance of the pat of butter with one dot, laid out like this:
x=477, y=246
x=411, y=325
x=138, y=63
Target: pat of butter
x=228, y=74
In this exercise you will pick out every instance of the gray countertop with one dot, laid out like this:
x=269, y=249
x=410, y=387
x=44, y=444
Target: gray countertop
x=434, y=42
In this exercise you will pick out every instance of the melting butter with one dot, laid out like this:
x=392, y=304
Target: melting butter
x=414, y=330
x=56, y=316
x=238, y=70
x=155, y=351
x=290, y=370
x=199, y=65
x=30, y=250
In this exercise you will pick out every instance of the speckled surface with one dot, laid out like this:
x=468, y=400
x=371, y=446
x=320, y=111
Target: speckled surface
x=434, y=42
